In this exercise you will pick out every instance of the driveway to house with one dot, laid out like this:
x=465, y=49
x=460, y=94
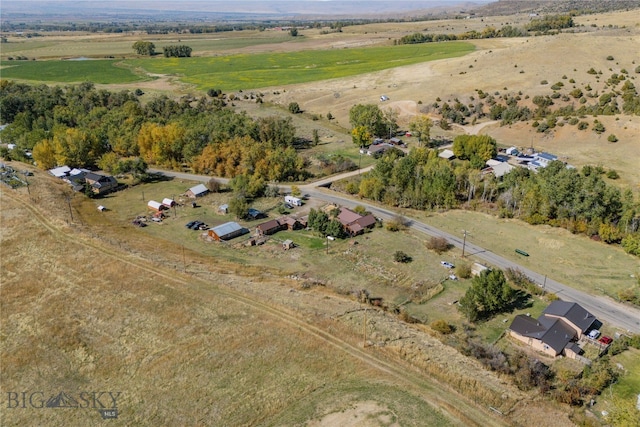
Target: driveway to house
x=607, y=310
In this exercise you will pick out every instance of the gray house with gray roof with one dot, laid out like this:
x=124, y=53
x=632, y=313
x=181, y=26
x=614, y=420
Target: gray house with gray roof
x=557, y=329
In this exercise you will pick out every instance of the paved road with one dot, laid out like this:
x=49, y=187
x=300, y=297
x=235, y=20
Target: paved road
x=604, y=308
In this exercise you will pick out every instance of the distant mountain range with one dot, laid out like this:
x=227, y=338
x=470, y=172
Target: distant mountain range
x=241, y=10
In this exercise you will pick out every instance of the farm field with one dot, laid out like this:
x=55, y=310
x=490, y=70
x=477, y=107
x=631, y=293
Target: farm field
x=241, y=72
x=103, y=71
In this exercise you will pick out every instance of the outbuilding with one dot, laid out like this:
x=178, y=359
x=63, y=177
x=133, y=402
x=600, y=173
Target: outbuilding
x=197, y=191
x=169, y=203
x=227, y=231
x=156, y=206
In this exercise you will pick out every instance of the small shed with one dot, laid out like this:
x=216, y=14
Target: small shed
x=223, y=209
x=169, y=203
x=197, y=191
x=156, y=206
x=227, y=231
x=288, y=244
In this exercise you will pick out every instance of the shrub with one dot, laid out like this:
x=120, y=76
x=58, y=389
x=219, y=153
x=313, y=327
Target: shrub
x=609, y=58
x=610, y=138
x=598, y=127
x=463, y=270
x=213, y=185
x=438, y=244
x=544, y=82
x=583, y=125
x=612, y=174
x=442, y=326
x=402, y=257
x=294, y=108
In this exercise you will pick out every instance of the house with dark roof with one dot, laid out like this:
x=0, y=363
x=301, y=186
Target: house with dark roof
x=275, y=225
x=557, y=329
x=268, y=228
x=100, y=184
x=355, y=223
x=574, y=315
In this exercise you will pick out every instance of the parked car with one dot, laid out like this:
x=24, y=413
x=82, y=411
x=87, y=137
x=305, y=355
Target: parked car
x=593, y=334
x=606, y=340
x=447, y=264
x=196, y=225
x=189, y=224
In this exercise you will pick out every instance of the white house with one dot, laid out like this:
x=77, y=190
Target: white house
x=541, y=160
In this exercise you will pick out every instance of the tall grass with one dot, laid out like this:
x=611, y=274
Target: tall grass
x=96, y=71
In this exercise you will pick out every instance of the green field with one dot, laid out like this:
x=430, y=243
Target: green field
x=253, y=71
x=96, y=71
x=109, y=46
x=241, y=71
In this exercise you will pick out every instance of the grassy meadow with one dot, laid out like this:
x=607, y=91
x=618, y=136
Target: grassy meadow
x=103, y=71
x=252, y=71
x=590, y=266
x=238, y=71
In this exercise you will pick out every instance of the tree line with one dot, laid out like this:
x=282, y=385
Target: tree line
x=81, y=126
x=539, y=25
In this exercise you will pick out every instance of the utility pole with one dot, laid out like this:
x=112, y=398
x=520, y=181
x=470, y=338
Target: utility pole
x=364, y=329
x=69, y=204
x=464, y=241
